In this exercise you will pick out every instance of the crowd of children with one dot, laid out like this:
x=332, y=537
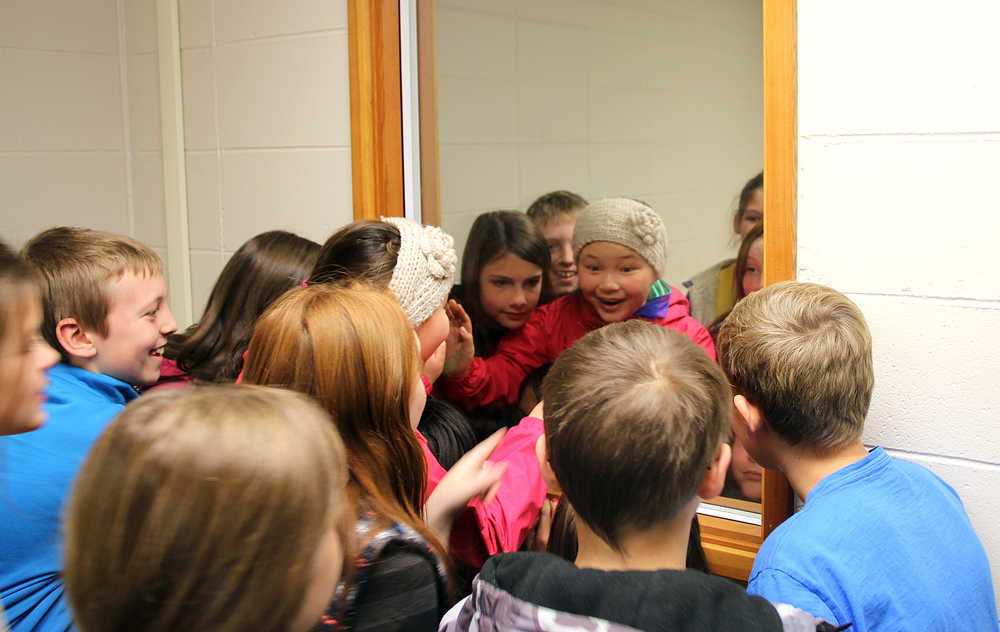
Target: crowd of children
x=338, y=485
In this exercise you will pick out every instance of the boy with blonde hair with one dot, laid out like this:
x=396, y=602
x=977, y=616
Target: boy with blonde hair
x=636, y=418
x=105, y=311
x=881, y=543
x=555, y=215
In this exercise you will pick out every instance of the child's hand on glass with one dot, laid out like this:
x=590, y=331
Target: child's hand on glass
x=461, y=349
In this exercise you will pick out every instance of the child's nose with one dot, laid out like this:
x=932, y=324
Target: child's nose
x=520, y=299
x=566, y=254
x=168, y=324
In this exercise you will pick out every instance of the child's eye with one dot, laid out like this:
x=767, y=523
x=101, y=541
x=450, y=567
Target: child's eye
x=628, y=268
x=499, y=282
x=531, y=283
x=153, y=313
x=592, y=268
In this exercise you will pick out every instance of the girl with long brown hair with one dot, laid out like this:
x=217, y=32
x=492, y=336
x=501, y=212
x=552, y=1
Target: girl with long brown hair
x=354, y=350
x=261, y=270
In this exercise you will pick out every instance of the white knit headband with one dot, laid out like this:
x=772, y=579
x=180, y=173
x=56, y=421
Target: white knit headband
x=425, y=268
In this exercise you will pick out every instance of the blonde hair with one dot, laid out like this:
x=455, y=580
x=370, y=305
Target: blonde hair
x=76, y=265
x=354, y=350
x=634, y=415
x=802, y=352
x=203, y=509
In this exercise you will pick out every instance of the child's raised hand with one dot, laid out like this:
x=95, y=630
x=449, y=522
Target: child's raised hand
x=435, y=363
x=461, y=349
x=472, y=476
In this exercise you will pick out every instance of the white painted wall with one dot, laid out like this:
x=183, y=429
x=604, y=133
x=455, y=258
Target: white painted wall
x=899, y=147
x=266, y=124
x=79, y=124
x=642, y=98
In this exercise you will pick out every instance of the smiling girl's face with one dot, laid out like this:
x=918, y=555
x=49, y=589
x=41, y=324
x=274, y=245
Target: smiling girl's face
x=614, y=279
x=509, y=288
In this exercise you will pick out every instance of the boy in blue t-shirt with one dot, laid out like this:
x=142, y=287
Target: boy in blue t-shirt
x=880, y=543
x=105, y=312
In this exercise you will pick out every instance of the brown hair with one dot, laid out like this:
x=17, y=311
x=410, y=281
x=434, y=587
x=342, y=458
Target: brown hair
x=757, y=232
x=263, y=269
x=754, y=183
x=354, y=350
x=203, y=509
x=76, y=265
x=634, y=415
x=555, y=205
x=365, y=250
x=801, y=352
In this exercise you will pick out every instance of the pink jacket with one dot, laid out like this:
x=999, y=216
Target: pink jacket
x=502, y=525
x=171, y=376
x=550, y=330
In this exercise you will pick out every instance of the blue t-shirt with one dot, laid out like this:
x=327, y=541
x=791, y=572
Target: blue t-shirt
x=36, y=474
x=884, y=544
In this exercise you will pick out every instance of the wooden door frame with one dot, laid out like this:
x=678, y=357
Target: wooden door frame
x=377, y=175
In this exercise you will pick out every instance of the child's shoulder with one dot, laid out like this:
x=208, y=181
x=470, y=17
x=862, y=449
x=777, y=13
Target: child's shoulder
x=534, y=582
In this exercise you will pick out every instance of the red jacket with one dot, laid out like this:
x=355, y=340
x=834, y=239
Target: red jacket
x=550, y=330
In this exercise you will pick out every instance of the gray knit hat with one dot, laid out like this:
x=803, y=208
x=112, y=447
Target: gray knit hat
x=626, y=222
x=425, y=268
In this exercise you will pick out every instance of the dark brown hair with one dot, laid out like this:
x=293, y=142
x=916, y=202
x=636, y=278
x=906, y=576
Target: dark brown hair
x=263, y=269
x=754, y=183
x=76, y=265
x=354, y=350
x=365, y=250
x=555, y=205
x=634, y=415
x=493, y=235
x=801, y=352
x=203, y=509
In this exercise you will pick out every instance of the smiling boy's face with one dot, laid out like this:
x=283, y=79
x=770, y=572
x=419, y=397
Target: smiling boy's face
x=139, y=321
x=558, y=234
x=614, y=279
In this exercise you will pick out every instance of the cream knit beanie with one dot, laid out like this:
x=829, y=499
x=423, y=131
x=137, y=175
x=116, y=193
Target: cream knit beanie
x=626, y=222
x=425, y=268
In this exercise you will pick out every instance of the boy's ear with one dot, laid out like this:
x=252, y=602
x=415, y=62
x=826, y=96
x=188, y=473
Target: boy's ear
x=749, y=417
x=74, y=339
x=715, y=476
x=542, y=453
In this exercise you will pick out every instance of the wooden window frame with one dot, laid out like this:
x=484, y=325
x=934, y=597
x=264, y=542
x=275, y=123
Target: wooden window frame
x=377, y=176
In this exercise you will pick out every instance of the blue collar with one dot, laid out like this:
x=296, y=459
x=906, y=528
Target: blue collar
x=104, y=387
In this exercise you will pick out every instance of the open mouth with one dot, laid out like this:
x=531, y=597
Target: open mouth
x=611, y=303
x=158, y=352
x=566, y=275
